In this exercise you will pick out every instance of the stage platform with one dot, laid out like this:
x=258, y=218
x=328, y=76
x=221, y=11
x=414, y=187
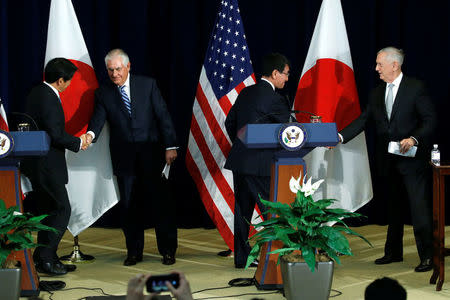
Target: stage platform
x=197, y=258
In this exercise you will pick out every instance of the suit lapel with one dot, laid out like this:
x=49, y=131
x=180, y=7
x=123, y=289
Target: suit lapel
x=381, y=100
x=134, y=92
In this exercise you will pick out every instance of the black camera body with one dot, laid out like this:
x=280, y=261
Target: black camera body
x=157, y=283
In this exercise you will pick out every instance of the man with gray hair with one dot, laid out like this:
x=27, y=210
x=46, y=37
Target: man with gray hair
x=404, y=118
x=142, y=141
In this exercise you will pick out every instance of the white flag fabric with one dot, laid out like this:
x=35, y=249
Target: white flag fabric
x=327, y=88
x=92, y=188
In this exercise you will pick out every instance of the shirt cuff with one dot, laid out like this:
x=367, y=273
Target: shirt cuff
x=341, y=138
x=172, y=148
x=91, y=133
x=415, y=140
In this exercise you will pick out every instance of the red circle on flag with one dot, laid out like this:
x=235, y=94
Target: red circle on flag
x=78, y=99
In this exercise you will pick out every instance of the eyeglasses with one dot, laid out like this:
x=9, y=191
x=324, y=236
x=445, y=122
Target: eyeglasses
x=285, y=73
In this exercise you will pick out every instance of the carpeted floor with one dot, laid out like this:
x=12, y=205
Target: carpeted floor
x=197, y=258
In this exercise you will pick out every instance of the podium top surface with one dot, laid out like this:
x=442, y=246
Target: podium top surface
x=266, y=135
x=29, y=143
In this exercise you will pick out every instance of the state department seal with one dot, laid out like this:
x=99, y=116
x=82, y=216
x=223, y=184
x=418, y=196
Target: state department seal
x=6, y=143
x=292, y=136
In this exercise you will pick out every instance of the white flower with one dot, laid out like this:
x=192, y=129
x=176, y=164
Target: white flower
x=294, y=184
x=17, y=213
x=307, y=188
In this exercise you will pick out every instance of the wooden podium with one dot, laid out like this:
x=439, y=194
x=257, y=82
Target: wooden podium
x=285, y=164
x=439, y=249
x=29, y=143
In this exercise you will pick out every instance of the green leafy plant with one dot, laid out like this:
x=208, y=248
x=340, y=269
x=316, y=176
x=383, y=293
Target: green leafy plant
x=16, y=230
x=305, y=225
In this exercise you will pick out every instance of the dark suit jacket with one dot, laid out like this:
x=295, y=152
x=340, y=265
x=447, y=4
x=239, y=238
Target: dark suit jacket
x=149, y=123
x=258, y=103
x=45, y=108
x=413, y=114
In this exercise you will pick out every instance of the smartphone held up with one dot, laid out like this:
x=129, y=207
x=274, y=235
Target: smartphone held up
x=157, y=283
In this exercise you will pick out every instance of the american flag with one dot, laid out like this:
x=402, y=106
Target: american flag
x=3, y=120
x=227, y=69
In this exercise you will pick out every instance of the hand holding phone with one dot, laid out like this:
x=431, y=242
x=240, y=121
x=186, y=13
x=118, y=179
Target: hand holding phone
x=157, y=283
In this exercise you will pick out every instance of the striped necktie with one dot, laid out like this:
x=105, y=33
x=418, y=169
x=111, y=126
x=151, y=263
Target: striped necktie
x=125, y=98
x=389, y=100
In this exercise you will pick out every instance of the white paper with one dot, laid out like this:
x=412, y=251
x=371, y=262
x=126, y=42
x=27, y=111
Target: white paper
x=394, y=148
x=165, y=171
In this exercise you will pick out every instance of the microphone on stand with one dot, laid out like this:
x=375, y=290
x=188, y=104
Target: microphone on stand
x=313, y=117
x=16, y=113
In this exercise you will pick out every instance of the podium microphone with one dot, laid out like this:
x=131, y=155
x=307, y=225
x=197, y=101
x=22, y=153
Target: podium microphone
x=313, y=117
x=27, y=116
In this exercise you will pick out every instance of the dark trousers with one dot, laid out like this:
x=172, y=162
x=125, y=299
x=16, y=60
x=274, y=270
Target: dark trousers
x=246, y=191
x=50, y=198
x=147, y=187
x=413, y=187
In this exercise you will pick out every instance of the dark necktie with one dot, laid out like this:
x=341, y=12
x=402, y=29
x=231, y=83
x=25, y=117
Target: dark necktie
x=126, y=100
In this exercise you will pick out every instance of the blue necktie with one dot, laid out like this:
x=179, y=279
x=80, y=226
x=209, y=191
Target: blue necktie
x=126, y=100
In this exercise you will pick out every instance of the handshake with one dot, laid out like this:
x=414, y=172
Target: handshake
x=86, y=140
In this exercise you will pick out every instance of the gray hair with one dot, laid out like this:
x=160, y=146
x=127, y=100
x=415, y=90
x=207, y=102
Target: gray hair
x=393, y=54
x=117, y=52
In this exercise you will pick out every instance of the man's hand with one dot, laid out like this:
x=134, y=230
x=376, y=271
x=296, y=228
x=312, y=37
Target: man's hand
x=135, y=290
x=406, y=144
x=170, y=156
x=89, y=138
x=84, y=143
x=183, y=292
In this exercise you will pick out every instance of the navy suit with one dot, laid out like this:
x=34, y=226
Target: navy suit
x=412, y=114
x=48, y=174
x=137, y=144
x=258, y=103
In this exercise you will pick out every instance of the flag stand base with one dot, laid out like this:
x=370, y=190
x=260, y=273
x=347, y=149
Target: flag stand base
x=77, y=256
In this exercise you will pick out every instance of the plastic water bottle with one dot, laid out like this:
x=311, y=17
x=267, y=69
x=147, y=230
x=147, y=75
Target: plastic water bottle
x=436, y=155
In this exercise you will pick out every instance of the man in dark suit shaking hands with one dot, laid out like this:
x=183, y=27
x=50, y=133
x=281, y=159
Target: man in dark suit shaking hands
x=48, y=174
x=259, y=103
x=404, y=116
x=142, y=140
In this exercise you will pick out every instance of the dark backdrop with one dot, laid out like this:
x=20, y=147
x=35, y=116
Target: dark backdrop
x=167, y=39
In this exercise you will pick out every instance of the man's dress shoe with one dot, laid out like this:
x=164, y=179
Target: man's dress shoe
x=387, y=259
x=131, y=260
x=51, y=268
x=254, y=264
x=424, y=266
x=226, y=253
x=168, y=259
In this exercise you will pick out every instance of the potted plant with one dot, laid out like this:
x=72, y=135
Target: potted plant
x=15, y=234
x=305, y=228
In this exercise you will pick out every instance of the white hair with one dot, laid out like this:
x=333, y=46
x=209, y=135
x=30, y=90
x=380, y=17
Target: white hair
x=117, y=52
x=393, y=54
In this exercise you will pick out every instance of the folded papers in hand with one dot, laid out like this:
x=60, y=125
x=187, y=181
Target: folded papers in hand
x=394, y=148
